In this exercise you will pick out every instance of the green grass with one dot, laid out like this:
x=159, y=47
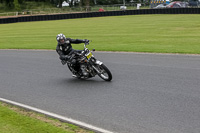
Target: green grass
x=16, y=120
x=137, y=33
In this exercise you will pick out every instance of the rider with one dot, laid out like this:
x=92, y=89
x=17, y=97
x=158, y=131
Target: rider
x=64, y=49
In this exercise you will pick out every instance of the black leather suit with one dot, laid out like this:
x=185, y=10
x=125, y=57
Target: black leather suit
x=66, y=48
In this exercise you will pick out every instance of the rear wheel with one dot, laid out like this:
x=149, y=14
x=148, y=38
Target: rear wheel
x=104, y=73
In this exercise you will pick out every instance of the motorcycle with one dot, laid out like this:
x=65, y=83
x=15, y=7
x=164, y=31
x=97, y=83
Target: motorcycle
x=91, y=65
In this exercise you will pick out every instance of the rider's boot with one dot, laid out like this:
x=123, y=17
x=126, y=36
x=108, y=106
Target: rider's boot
x=73, y=75
x=77, y=76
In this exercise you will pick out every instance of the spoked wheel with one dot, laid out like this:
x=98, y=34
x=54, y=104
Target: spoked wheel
x=105, y=73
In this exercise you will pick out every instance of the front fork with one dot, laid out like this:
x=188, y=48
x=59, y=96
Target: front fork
x=97, y=62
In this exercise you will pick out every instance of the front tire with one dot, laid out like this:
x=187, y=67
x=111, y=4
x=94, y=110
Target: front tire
x=105, y=73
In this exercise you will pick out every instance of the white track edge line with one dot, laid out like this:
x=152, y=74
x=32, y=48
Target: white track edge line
x=78, y=123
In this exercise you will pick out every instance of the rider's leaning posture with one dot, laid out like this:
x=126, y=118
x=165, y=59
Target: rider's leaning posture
x=64, y=49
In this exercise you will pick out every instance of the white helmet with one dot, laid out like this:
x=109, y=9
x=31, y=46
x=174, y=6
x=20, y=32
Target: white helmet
x=61, y=38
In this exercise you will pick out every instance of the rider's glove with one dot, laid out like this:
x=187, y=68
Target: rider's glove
x=87, y=41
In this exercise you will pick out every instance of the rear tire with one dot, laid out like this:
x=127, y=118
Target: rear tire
x=105, y=73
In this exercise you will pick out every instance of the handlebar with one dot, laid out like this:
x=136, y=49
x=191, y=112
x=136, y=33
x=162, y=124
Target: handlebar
x=86, y=43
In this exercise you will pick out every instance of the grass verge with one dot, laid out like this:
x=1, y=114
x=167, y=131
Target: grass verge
x=136, y=33
x=18, y=120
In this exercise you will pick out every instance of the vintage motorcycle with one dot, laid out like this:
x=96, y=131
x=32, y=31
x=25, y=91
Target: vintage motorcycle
x=91, y=65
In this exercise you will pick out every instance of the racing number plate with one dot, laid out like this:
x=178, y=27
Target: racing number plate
x=89, y=55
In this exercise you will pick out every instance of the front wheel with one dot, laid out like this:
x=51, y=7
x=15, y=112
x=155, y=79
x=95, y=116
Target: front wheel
x=104, y=73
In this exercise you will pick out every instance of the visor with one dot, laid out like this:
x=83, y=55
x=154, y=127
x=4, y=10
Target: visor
x=62, y=41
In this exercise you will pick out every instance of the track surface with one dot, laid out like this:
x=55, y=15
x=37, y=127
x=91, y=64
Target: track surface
x=150, y=93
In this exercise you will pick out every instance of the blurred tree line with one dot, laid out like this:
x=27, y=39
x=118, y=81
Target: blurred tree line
x=16, y=4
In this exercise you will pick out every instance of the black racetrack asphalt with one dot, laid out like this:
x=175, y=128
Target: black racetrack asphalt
x=149, y=93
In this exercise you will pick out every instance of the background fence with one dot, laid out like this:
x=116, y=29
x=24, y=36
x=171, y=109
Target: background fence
x=45, y=11
x=99, y=14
